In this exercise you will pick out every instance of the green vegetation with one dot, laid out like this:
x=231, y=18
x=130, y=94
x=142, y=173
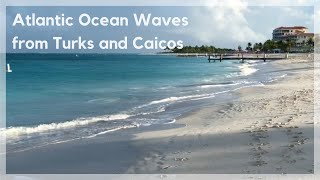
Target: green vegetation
x=249, y=47
x=310, y=42
x=267, y=46
x=287, y=45
x=200, y=49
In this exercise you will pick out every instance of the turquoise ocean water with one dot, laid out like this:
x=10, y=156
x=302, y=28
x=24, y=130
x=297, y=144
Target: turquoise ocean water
x=55, y=98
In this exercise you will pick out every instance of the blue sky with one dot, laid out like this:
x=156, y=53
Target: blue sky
x=221, y=26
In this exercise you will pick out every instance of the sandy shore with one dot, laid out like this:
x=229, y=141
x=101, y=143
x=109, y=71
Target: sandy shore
x=268, y=130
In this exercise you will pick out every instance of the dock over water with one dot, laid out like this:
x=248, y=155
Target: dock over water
x=212, y=57
x=242, y=57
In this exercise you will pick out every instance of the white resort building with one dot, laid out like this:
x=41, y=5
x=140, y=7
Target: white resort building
x=298, y=34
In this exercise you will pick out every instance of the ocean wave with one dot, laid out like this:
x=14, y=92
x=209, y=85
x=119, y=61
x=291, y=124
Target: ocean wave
x=218, y=85
x=111, y=130
x=231, y=75
x=171, y=122
x=165, y=87
x=276, y=78
x=104, y=100
x=175, y=99
x=208, y=80
x=77, y=138
x=158, y=110
x=18, y=131
x=146, y=109
x=208, y=84
x=12, y=132
x=247, y=69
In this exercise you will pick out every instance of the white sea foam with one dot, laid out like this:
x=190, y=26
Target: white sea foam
x=18, y=131
x=276, y=78
x=247, y=69
x=111, y=130
x=210, y=86
x=171, y=122
x=175, y=99
x=208, y=80
x=159, y=109
x=73, y=139
x=104, y=100
x=234, y=74
x=165, y=87
x=43, y=145
x=218, y=85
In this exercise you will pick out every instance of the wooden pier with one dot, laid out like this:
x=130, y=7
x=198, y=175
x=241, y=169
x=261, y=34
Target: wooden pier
x=242, y=57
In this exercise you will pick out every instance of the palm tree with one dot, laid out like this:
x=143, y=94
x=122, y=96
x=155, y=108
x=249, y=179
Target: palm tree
x=249, y=46
x=255, y=46
x=212, y=49
x=239, y=48
x=269, y=45
x=281, y=45
x=289, y=44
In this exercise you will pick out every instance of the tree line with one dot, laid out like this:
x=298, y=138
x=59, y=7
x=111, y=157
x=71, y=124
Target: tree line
x=270, y=45
x=267, y=46
x=199, y=49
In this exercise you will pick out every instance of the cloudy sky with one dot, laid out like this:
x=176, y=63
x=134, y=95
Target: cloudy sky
x=213, y=24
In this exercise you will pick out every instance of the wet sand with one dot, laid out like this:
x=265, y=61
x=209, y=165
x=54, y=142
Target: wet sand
x=268, y=131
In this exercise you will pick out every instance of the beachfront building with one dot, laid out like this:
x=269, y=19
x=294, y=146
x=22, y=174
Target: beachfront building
x=302, y=39
x=298, y=34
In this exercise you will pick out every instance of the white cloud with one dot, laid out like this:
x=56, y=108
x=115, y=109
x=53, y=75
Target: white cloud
x=317, y=20
x=223, y=23
x=298, y=14
x=232, y=23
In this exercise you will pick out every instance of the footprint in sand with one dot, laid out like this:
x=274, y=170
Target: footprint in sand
x=293, y=152
x=259, y=143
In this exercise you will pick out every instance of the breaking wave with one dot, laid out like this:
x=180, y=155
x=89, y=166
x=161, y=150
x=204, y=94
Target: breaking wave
x=18, y=131
x=247, y=69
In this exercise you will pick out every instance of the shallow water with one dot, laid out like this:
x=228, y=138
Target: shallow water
x=55, y=98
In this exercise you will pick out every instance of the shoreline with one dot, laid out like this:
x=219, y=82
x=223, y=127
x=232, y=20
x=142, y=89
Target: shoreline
x=231, y=137
x=277, y=142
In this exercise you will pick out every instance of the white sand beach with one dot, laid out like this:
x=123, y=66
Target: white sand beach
x=269, y=130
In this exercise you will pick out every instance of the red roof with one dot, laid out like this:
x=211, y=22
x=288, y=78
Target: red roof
x=292, y=27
